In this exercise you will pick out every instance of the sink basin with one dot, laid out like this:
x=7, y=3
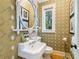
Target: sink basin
x=30, y=50
x=37, y=38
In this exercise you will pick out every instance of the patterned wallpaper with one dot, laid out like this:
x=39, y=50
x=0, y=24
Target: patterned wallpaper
x=52, y=39
x=8, y=47
x=62, y=26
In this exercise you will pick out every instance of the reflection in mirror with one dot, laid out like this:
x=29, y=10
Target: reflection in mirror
x=26, y=18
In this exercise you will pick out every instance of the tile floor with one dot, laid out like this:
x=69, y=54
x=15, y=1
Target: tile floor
x=68, y=56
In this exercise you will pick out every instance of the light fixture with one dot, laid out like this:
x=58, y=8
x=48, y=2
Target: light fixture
x=40, y=1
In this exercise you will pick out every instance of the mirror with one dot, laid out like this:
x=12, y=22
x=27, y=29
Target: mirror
x=26, y=15
x=25, y=4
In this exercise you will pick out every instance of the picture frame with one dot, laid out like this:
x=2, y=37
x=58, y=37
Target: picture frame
x=24, y=13
x=72, y=17
x=24, y=23
x=72, y=7
x=72, y=25
x=48, y=18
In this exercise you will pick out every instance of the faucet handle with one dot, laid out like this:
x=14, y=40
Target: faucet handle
x=75, y=46
x=32, y=42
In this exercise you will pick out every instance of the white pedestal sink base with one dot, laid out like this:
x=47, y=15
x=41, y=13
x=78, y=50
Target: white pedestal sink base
x=31, y=50
x=36, y=58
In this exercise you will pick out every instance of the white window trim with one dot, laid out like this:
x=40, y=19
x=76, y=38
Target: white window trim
x=53, y=18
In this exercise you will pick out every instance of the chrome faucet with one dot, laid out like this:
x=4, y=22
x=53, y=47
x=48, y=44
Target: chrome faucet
x=33, y=42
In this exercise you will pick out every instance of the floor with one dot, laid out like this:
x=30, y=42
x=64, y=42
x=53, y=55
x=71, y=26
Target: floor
x=68, y=56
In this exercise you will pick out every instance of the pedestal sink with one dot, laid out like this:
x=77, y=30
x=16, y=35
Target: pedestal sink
x=31, y=49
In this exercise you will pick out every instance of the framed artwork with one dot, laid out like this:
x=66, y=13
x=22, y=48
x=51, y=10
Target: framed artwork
x=72, y=17
x=48, y=18
x=24, y=22
x=71, y=7
x=24, y=13
x=72, y=25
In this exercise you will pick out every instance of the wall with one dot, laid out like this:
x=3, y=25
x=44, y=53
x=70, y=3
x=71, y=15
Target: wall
x=5, y=28
x=78, y=21
x=54, y=40
x=76, y=34
x=62, y=26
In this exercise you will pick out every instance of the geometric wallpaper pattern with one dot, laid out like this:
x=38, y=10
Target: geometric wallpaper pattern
x=52, y=39
x=6, y=44
x=62, y=26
